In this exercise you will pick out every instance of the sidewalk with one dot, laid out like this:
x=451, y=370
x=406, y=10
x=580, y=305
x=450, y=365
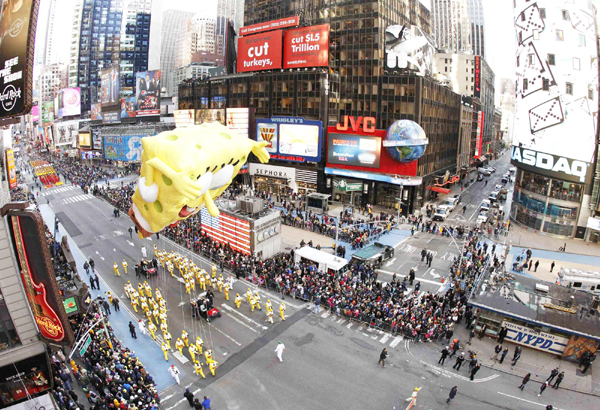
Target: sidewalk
x=539, y=363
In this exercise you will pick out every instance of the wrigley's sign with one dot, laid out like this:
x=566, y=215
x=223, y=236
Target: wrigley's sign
x=550, y=165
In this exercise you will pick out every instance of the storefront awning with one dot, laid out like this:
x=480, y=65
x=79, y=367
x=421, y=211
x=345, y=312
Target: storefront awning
x=440, y=189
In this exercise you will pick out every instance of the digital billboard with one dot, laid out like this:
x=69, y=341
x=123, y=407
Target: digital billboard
x=35, y=113
x=259, y=52
x=306, y=47
x=66, y=132
x=238, y=119
x=123, y=147
x=10, y=165
x=556, y=97
x=147, y=93
x=85, y=140
x=210, y=115
x=96, y=138
x=291, y=138
x=479, y=139
x=128, y=107
x=357, y=150
x=48, y=112
x=184, y=118
x=17, y=38
x=270, y=25
x=110, y=87
x=477, y=89
x=69, y=102
x=96, y=112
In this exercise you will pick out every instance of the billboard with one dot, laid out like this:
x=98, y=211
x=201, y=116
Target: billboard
x=35, y=113
x=226, y=229
x=270, y=25
x=238, y=119
x=184, y=118
x=123, y=147
x=147, y=93
x=96, y=138
x=128, y=107
x=111, y=117
x=554, y=166
x=96, y=112
x=66, y=132
x=291, y=138
x=306, y=47
x=556, y=98
x=259, y=52
x=479, y=140
x=85, y=140
x=357, y=150
x=69, y=102
x=210, y=115
x=110, y=87
x=408, y=48
x=477, y=89
x=48, y=112
x=10, y=165
x=17, y=37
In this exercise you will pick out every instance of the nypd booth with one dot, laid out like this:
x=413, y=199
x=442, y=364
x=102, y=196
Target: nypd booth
x=541, y=315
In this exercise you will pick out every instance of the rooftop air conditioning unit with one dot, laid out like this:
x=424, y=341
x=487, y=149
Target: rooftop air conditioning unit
x=542, y=288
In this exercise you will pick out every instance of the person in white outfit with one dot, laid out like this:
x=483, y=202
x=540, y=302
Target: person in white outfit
x=279, y=350
x=174, y=373
x=144, y=253
x=142, y=327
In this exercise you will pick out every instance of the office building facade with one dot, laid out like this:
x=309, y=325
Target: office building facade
x=172, y=21
x=457, y=26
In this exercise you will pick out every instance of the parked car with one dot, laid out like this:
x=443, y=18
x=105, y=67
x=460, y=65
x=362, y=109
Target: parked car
x=493, y=197
x=485, y=171
x=440, y=213
x=482, y=218
x=450, y=203
x=486, y=205
x=491, y=168
x=479, y=177
x=458, y=198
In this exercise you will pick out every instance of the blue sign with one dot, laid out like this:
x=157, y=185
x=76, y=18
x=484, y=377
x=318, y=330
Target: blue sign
x=548, y=342
x=356, y=150
x=291, y=138
x=123, y=147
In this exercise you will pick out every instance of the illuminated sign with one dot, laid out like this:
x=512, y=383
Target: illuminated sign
x=477, y=90
x=70, y=305
x=85, y=140
x=270, y=25
x=479, y=140
x=368, y=124
x=238, y=119
x=184, y=118
x=552, y=165
x=12, y=172
x=357, y=150
x=259, y=52
x=147, y=86
x=306, y=47
x=110, y=87
x=210, y=115
x=69, y=102
x=291, y=138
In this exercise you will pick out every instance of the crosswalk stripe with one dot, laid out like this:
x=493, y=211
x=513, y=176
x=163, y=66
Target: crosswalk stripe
x=349, y=325
x=396, y=341
x=325, y=314
x=385, y=338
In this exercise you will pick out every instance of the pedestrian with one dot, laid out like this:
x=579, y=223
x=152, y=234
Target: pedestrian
x=559, y=380
x=197, y=404
x=92, y=265
x=471, y=335
x=206, y=403
x=504, y=353
x=530, y=263
x=497, y=350
x=525, y=381
x=142, y=327
x=445, y=352
x=502, y=334
x=482, y=332
x=423, y=254
x=86, y=266
x=106, y=306
x=459, y=361
x=132, y=330
x=130, y=232
x=92, y=282
x=452, y=393
x=537, y=263
x=189, y=396
x=588, y=362
x=174, y=373
x=115, y=303
x=551, y=266
x=455, y=347
x=317, y=304
x=553, y=374
x=279, y=350
x=543, y=387
x=475, y=370
x=518, y=351
x=144, y=253
x=384, y=354
x=515, y=360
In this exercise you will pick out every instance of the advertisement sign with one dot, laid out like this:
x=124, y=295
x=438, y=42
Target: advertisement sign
x=70, y=305
x=111, y=117
x=35, y=113
x=48, y=112
x=408, y=48
x=593, y=223
x=538, y=340
x=123, y=147
x=273, y=171
x=208, y=116
x=85, y=140
x=66, y=132
x=306, y=47
x=259, y=52
x=291, y=138
x=238, y=119
x=69, y=102
x=556, y=96
x=128, y=107
x=184, y=118
x=477, y=89
x=110, y=87
x=17, y=37
x=358, y=150
x=478, y=141
x=554, y=166
x=96, y=138
x=345, y=186
x=96, y=112
x=10, y=165
x=270, y=25
x=147, y=92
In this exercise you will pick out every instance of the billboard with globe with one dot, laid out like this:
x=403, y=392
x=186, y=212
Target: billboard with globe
x=405, y=141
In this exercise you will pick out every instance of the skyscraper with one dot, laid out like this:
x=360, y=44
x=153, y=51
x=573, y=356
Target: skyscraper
x=195, y=35
x=227, y=11
x=457, y=26
x=173, y=20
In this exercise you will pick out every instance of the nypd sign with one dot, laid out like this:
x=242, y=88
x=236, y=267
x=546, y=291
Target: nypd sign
x=551, y=165
x=537, y=340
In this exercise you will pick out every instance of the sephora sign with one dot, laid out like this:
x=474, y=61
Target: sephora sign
x=553, y=166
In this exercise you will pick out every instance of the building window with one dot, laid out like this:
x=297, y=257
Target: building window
x=576, y=63
x=524, y=84
x=559, y=35
x=536, y=34
x=446, y=60
x=569, y=89
x=450, y=69
x=545, y=84
x=582, y=40
x=530, y=59
x=466, y=78
x=565, y=15
x=446, y=69
x=591, y=94
x=551, y=59
x=543, y=13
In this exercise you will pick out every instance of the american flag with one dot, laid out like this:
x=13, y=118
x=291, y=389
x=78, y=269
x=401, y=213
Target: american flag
x=227, y=229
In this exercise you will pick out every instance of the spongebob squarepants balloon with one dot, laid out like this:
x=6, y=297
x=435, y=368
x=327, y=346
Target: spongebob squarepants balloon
x=186, y=169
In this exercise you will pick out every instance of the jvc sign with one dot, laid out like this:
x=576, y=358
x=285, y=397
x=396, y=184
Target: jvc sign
x=538, y=340
x=551, y=165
